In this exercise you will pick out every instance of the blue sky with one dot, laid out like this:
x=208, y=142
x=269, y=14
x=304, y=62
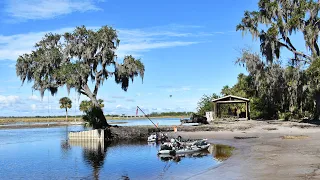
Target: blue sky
x=188, y=48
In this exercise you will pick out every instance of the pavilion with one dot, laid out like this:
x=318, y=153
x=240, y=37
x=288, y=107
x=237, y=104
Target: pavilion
x=230, y=99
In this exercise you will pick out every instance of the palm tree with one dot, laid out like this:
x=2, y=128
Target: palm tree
x=66, y=103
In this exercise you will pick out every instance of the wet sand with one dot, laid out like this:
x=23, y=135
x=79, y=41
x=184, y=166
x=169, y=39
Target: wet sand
x=269, y=155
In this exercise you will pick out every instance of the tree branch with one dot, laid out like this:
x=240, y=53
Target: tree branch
x=86, y=90
x=316, y=47
x=98, y=77
x=296, y=52
x=288, y=41
x=98, y=81
x=96, y=87
x=82, y=92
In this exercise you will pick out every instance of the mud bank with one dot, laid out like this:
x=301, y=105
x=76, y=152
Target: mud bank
x=142, y=132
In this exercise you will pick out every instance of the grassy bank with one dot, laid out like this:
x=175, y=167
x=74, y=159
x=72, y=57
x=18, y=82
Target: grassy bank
x=70, y=119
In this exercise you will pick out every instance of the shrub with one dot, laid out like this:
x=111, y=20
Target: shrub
x=92, y=117
x=285, y=116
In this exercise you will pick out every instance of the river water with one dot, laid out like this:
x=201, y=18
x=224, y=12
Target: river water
x=44, y=153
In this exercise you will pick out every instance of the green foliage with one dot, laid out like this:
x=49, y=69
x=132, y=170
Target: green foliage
x=280, y=89
x=244, y=87
x=73, y=59
x=86, y=105
x=272, y=91
x=65, y=103
x=283, y=17
x=92, y=117
x=205, y=103
x=285, y=115
x=258, y=109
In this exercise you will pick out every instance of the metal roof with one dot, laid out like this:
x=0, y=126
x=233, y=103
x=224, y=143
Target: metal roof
x=230, y=96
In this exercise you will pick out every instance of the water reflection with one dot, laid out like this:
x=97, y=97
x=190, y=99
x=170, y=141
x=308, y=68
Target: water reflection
x=138, y=160
x=221, y=152
x=94, y=153
x=65, y=146
x=218, y=151
x=177, y=158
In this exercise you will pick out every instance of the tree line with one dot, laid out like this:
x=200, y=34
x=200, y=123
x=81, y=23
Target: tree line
x=86, y=106
x=278, y=87
x=159, y=114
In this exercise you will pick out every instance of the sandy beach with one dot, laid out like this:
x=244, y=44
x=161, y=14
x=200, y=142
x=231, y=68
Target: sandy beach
x=276, y=150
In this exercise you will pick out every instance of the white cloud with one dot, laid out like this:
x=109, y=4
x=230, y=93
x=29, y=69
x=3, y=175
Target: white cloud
x=46, y=9
x=34, y=98
x=117, y=97
x=137, y=41
x=13, y=46
x=6, y=101
x=12, y=65
x=185, y=88
x=33, y=107
x=130, y=100
x=134, y=42
x=180, y=89
x=203, y=89
x=125, y=49
x=109, y=101
x=118, y=106
x=187, y=101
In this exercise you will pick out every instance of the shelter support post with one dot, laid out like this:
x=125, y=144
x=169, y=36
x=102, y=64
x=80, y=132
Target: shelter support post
x=214, y=111
x=247, y=110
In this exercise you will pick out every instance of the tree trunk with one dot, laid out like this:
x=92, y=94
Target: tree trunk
x=317, y=106
x=66, y=114
x=102, y=124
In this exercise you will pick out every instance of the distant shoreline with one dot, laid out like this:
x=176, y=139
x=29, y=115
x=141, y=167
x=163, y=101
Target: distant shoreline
x=8, y=120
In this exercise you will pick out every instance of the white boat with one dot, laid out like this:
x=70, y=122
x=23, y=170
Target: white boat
x=175, y=147
x=157, y=137
x=152, y=138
